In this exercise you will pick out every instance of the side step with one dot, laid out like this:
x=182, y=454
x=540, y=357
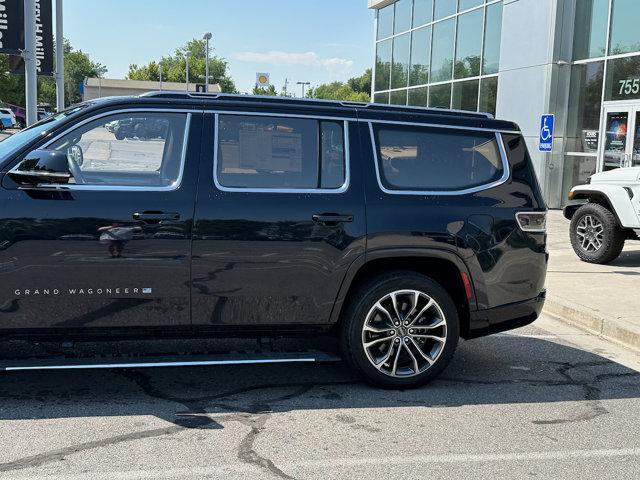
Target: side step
x=239, y=358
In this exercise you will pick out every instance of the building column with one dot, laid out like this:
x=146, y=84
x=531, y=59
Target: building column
x=534, y=80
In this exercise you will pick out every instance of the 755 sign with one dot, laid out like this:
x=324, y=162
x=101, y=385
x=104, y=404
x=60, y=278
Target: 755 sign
x=630, y=86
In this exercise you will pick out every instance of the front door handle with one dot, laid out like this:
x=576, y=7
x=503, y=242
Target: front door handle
x=156, y=216
x=332, y=218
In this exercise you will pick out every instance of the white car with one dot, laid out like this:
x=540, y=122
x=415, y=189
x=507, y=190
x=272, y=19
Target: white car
x=7, y=118
x=606, y=215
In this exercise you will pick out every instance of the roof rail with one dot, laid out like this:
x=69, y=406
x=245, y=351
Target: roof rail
x=347, y=104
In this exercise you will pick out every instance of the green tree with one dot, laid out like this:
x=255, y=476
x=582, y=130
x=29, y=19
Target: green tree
x=174, y=67
x=269, y=91
x=356, y=89
x=77, y=66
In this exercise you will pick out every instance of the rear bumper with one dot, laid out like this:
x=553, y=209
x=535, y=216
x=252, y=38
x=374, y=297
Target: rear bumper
x=506, y=317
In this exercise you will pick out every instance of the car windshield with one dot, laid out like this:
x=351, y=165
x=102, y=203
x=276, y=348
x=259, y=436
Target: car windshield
x=13, y=143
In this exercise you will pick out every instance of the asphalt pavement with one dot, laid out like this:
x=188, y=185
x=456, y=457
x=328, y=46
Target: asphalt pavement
x=548, y=400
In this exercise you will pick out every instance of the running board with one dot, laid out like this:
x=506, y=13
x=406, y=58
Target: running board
x=165, y=361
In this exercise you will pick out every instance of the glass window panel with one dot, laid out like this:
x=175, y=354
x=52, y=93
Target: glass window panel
x=262, y=152
x=590, y=33
x=492, y=38
x=623, y=79
x=422, y=12
x=488, y=95
x=467, y=4
x=381, y=97
x=625, y=34
x=435, y=159
x=440, y=96
x=420, y=55
x=469, y=44
x=402, y=21
x=465, y=95
x=442, y=50
x=419, y=97
x=444, y=8
x=585, y=97
x=129, y=149
x=400, y=66
x=398, y=97
x=383, y=64
x=385, y=22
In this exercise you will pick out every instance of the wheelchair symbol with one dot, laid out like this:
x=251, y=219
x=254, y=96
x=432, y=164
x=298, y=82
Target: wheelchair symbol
x=545, y=133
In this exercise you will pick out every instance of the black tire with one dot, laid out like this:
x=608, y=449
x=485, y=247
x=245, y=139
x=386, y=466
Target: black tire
x=613, y=236
x=356, y=314
x=119, y=134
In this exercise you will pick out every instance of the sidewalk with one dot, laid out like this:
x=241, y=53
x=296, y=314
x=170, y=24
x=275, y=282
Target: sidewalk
x=602, y=298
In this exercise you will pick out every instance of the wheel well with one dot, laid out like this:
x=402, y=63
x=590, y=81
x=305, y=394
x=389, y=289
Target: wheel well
x=597, y=198
x=445, y=272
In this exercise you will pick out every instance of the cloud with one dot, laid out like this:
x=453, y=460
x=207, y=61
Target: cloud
x=308, y=59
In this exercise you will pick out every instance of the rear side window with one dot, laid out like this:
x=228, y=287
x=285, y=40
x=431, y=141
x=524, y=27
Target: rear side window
x=436, y=159
x=280, y=153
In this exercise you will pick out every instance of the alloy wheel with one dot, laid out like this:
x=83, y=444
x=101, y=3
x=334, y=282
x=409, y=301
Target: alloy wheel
x=404, y=333
x=590, y=233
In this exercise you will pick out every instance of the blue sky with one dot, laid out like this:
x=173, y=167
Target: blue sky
x=303, y=40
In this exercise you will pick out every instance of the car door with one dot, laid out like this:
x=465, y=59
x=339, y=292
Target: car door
x=279, y=218
x=111, y=248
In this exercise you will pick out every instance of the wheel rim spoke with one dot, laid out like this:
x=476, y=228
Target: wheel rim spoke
x=404, y=333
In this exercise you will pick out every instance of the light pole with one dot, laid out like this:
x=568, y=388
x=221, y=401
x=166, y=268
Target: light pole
x=303, y=84
x=160, y=69
x=59, y=58
x=187, y=56
x=30, y=68
x=207, y=37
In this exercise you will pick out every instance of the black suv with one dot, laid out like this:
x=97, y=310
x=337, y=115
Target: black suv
x=396, y=229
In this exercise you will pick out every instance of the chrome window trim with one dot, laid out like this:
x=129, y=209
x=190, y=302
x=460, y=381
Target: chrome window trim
x=126, y=188
x=438, y=125
x=503, y=155
x=347, y=156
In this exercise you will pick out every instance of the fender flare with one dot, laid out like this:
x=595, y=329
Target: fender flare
x=426, y=253
x=616, y=196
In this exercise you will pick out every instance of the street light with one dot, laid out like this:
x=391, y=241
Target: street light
x=207, y=37
x=303, y=84
x=187, y=56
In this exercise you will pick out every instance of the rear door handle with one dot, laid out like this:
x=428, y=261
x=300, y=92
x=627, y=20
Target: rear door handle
x=332, y=218
x=156, y=217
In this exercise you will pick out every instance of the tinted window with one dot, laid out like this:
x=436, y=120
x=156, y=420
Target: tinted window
x=492, y=39
x=402, y=21
x=385, y=22
x=435, y=159
x=130, y=149
x=590, y=31
x=420, y=53
x=468, y=44
x=383, y=64
x=422, y=12
x=625, y=36
x=280, y=153
x=400, y=66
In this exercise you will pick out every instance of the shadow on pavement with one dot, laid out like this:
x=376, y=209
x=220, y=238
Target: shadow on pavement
x=503, y=369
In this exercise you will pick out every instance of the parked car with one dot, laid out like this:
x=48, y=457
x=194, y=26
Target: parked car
x=140, y=127
x=604, y=213
x=7, y=118
x=394, y=230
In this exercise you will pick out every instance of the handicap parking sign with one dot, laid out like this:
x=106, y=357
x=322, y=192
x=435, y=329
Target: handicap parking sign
x=546, y=133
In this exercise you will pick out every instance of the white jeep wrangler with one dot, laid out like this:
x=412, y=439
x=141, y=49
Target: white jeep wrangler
x=604, y=213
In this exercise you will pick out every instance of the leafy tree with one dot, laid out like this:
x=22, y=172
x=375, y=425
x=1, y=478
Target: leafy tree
x=174, y=67
x=361, y=84
x=268, y=91
x=342, y=91
x=77, y=66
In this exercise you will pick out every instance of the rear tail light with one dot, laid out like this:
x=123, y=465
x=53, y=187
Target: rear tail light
x=533, y=222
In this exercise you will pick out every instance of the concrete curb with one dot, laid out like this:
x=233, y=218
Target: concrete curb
x=581, y=316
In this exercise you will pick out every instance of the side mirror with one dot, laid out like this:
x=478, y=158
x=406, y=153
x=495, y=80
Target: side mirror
x=42, y=166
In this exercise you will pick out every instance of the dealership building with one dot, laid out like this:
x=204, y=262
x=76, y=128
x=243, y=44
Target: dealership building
x=578, y=60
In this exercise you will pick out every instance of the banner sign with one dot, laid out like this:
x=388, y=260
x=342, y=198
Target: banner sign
x=11, y=26
x=44, y=40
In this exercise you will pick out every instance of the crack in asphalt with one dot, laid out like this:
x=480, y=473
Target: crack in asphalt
x=256, y=414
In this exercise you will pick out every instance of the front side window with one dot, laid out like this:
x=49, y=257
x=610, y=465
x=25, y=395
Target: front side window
x=280, y=153
x=436, y=159
x=135, y=149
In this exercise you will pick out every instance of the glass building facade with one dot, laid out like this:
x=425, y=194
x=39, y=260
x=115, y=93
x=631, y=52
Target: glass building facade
x=576, y=59
x=439, y=53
